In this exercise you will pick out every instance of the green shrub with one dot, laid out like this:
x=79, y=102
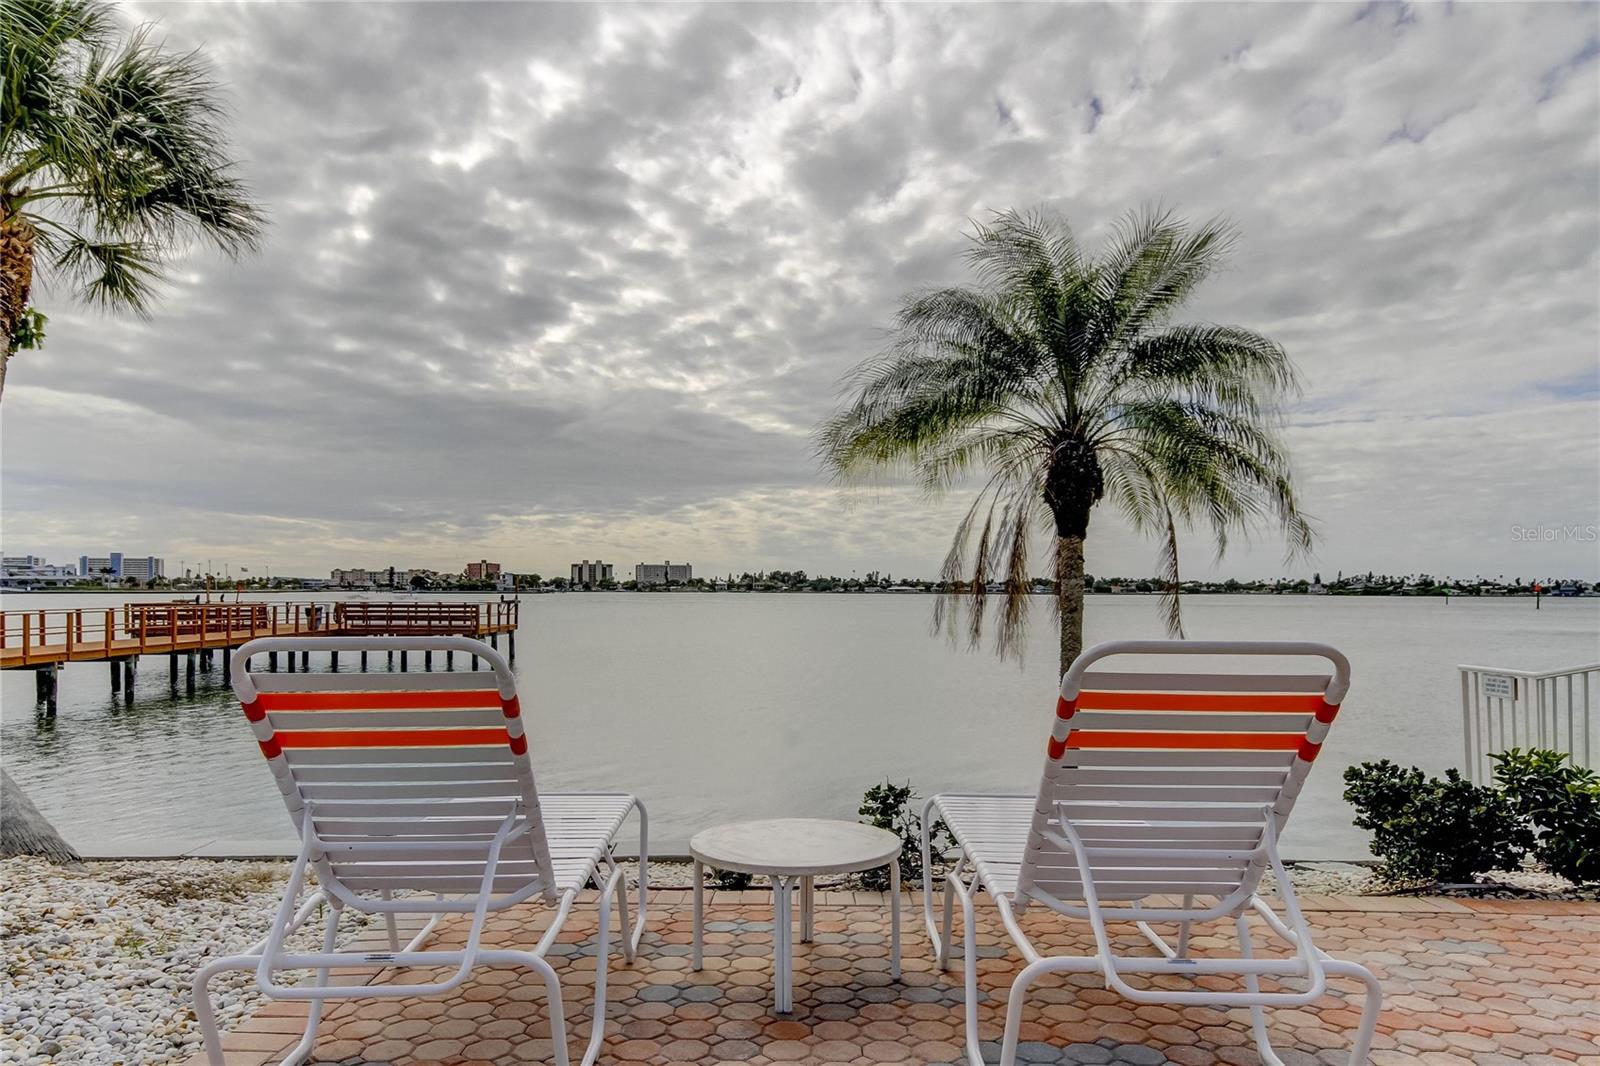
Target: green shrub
x=889, y=806
x=1429, y=829
x=732, y=880
x=1562, y=801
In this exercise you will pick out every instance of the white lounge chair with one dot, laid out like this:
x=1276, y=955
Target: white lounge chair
x=1155, y=785
x=413, y=794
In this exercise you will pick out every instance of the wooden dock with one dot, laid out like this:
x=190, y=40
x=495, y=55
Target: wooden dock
x=46, y=640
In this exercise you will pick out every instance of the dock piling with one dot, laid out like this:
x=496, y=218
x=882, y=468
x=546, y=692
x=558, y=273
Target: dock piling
x=188, y=673
x=333, y=661
x=45, y=680
x=116, y=676
x=449, y=660
x=427, y=661
x=272, y=661
x=172, y=671
x=130, y=674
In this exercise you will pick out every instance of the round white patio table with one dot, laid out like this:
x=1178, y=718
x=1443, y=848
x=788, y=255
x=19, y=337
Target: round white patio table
x=791, y=850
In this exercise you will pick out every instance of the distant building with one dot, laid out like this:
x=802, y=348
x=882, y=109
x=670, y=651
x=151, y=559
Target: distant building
x=587, y=573
x=31, y=571
x=118, y=566
x=355, y=578
x=22, y=562
x=662, y=573
x=482, y=570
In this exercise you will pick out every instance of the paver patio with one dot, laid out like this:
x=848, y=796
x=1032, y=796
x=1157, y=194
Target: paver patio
x=1465, y=981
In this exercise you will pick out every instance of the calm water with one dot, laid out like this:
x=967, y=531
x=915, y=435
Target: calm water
x=717, y=707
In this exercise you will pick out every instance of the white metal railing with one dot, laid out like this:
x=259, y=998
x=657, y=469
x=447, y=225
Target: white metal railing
x=1555, y=709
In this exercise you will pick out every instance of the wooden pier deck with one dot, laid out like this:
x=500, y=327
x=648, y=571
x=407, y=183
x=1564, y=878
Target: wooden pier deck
x=31, y=639
x=46, y=640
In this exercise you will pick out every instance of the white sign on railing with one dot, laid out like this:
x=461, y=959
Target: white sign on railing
x=1499, y=686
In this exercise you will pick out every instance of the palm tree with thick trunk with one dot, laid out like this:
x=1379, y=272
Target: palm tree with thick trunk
x=113, y=158
x=1062, y=380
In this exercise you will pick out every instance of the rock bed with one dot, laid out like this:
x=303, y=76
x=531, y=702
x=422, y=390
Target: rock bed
x=98, y=962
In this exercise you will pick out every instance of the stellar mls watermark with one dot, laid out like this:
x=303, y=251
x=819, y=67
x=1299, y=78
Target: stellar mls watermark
x=1542, y=534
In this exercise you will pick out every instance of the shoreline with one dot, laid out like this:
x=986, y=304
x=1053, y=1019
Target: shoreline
x=220, y=595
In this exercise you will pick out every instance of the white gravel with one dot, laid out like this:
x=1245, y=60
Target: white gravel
x=98, y=962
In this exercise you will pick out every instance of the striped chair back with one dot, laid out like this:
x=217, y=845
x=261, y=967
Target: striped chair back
x=1178, y=770
x=406, y=777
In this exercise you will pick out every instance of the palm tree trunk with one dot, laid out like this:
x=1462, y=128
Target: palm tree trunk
x=24, y=831
x=16, y=280
x=1069, y=596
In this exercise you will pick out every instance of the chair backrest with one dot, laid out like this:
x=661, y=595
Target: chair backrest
x=406, y=777
x=1176, y=766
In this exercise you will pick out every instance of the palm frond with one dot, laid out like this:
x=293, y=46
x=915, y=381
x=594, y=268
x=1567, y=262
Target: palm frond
x=111, y=274
x=42, y=44
x=1228, y=367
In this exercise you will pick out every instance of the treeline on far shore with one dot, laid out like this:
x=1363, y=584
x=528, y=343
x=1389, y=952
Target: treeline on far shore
x=788, y=581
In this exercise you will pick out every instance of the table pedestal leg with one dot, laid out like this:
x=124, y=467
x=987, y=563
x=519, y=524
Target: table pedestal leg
x=808, y=909
x=782, y=938
x=699, y=910
x=894, y=918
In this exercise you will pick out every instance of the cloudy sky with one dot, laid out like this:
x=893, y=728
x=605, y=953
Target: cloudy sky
x=557, y=282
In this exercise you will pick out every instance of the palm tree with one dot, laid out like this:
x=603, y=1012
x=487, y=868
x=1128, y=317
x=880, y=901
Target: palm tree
x=1062, y=377
x=112, y=157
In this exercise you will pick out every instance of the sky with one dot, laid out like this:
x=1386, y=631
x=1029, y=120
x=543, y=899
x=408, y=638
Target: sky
x=557, y=282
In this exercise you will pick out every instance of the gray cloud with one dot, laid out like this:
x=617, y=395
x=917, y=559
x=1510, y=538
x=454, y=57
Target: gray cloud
x=551, y=280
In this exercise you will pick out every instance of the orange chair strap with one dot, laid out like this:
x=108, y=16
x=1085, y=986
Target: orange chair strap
x=426, y=699
x=392, y=738
x=1301, y=703
x=1084, y=739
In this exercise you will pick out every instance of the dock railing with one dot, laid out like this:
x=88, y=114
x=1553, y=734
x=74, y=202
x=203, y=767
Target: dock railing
x=1555, y=709
x=44, y=636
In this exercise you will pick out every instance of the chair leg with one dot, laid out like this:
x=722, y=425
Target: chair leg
x=204, y=1015
x=389, y=923
x=1258, y=1014
x=941, y=942
x=552, y=986
x=624, y=919
x=1014, y=1002
x=1183, y=930
x=1362, y=1048
x=969, y=963
x=602, y=953
x=301, y=1051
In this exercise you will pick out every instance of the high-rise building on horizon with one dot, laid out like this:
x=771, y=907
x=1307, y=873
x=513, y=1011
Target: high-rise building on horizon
x=587, y=573
x=119, y=566
x=663, y=573
x=482, y=570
